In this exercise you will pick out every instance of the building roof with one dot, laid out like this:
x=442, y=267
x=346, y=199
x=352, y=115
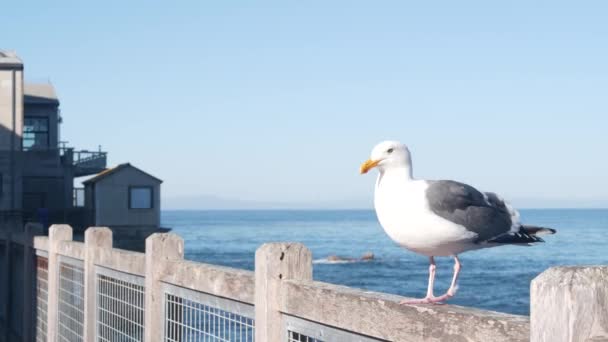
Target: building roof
x=9, y=59
x=107, y=172
x=39, y=93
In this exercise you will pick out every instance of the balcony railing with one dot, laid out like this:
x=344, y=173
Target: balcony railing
x=86, y=162
x=82, y=155
x=87, y=156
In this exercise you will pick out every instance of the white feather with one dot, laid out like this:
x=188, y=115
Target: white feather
x=404, y=213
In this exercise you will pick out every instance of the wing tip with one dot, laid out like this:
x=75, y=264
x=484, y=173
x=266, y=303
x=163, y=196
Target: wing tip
x=537, y=231
x=521, y=237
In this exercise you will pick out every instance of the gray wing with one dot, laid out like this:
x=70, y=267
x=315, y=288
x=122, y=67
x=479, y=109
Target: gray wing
x=484, y=214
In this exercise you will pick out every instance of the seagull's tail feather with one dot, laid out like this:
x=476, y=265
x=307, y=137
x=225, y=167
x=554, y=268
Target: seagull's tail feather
x=525, y=235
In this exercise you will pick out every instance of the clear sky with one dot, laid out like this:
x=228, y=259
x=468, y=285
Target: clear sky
x=279, y=102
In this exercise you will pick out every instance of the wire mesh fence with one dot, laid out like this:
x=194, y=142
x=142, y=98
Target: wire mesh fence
x=71, y=302
x=120, y=303
x=293, y=336
x=194, y=316
x=42, y=295
x=301, y=330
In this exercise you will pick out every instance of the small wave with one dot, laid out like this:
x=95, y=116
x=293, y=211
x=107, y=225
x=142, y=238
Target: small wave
x=326, y=261
x=340, y=261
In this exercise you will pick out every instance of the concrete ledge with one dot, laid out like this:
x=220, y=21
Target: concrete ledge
x=122, y=260
x=216, y=280
x=379, y=315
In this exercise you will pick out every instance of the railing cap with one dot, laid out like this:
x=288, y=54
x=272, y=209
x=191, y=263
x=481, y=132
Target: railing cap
x=572, y=275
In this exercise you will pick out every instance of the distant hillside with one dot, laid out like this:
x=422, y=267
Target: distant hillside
x=210, y=202
x=202, y=202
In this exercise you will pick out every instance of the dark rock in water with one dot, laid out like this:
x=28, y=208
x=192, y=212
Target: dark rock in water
x=367, y=256
x=335, y=258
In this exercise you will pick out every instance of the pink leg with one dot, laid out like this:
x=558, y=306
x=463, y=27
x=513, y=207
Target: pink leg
x=429, y=294
x=429, y=290
x=454, y=286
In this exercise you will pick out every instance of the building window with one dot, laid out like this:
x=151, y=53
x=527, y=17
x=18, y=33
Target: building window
x=35, y=133
x=140, y=197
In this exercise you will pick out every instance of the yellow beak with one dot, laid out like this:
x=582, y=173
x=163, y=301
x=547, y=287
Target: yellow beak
x=368, y=165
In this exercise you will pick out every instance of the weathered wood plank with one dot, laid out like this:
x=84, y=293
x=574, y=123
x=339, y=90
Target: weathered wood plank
x=95, y=238
x=570, y=304
x=275, y=264
x=161, y=249
x=380, y=315
x=58, y=233
x=216, y=280
x=72, y=249
x=122, y=260
x=41, y=243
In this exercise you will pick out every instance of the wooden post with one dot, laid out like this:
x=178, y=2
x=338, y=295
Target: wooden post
x=160, y=248
x=570, y=304
x=95, y=238
x=57, y=233
x=274, y=264
x=29, y=280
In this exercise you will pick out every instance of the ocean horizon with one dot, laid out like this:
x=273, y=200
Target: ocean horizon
x=496, y=279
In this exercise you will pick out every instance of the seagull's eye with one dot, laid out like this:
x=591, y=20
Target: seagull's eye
x=390, y=150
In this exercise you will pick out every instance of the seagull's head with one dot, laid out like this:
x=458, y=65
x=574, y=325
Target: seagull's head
x=388, y=154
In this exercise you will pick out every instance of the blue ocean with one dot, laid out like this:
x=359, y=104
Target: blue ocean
x=495, y=279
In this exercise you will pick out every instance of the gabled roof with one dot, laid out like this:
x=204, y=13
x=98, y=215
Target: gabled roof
x=39, y=93
x=107, y=172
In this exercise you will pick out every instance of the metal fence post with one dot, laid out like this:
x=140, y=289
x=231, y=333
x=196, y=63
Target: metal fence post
x=160, y=248
x=29, y=280
x=569, y=304
x=275, y=263
x=57, y=233
x=95, y=238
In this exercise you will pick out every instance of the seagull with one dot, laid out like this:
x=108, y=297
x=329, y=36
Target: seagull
x=440, y=217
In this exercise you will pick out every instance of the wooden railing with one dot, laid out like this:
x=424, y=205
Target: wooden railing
x=90, y=291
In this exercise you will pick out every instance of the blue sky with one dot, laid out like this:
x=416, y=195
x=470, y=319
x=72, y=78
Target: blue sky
x=279, y=102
